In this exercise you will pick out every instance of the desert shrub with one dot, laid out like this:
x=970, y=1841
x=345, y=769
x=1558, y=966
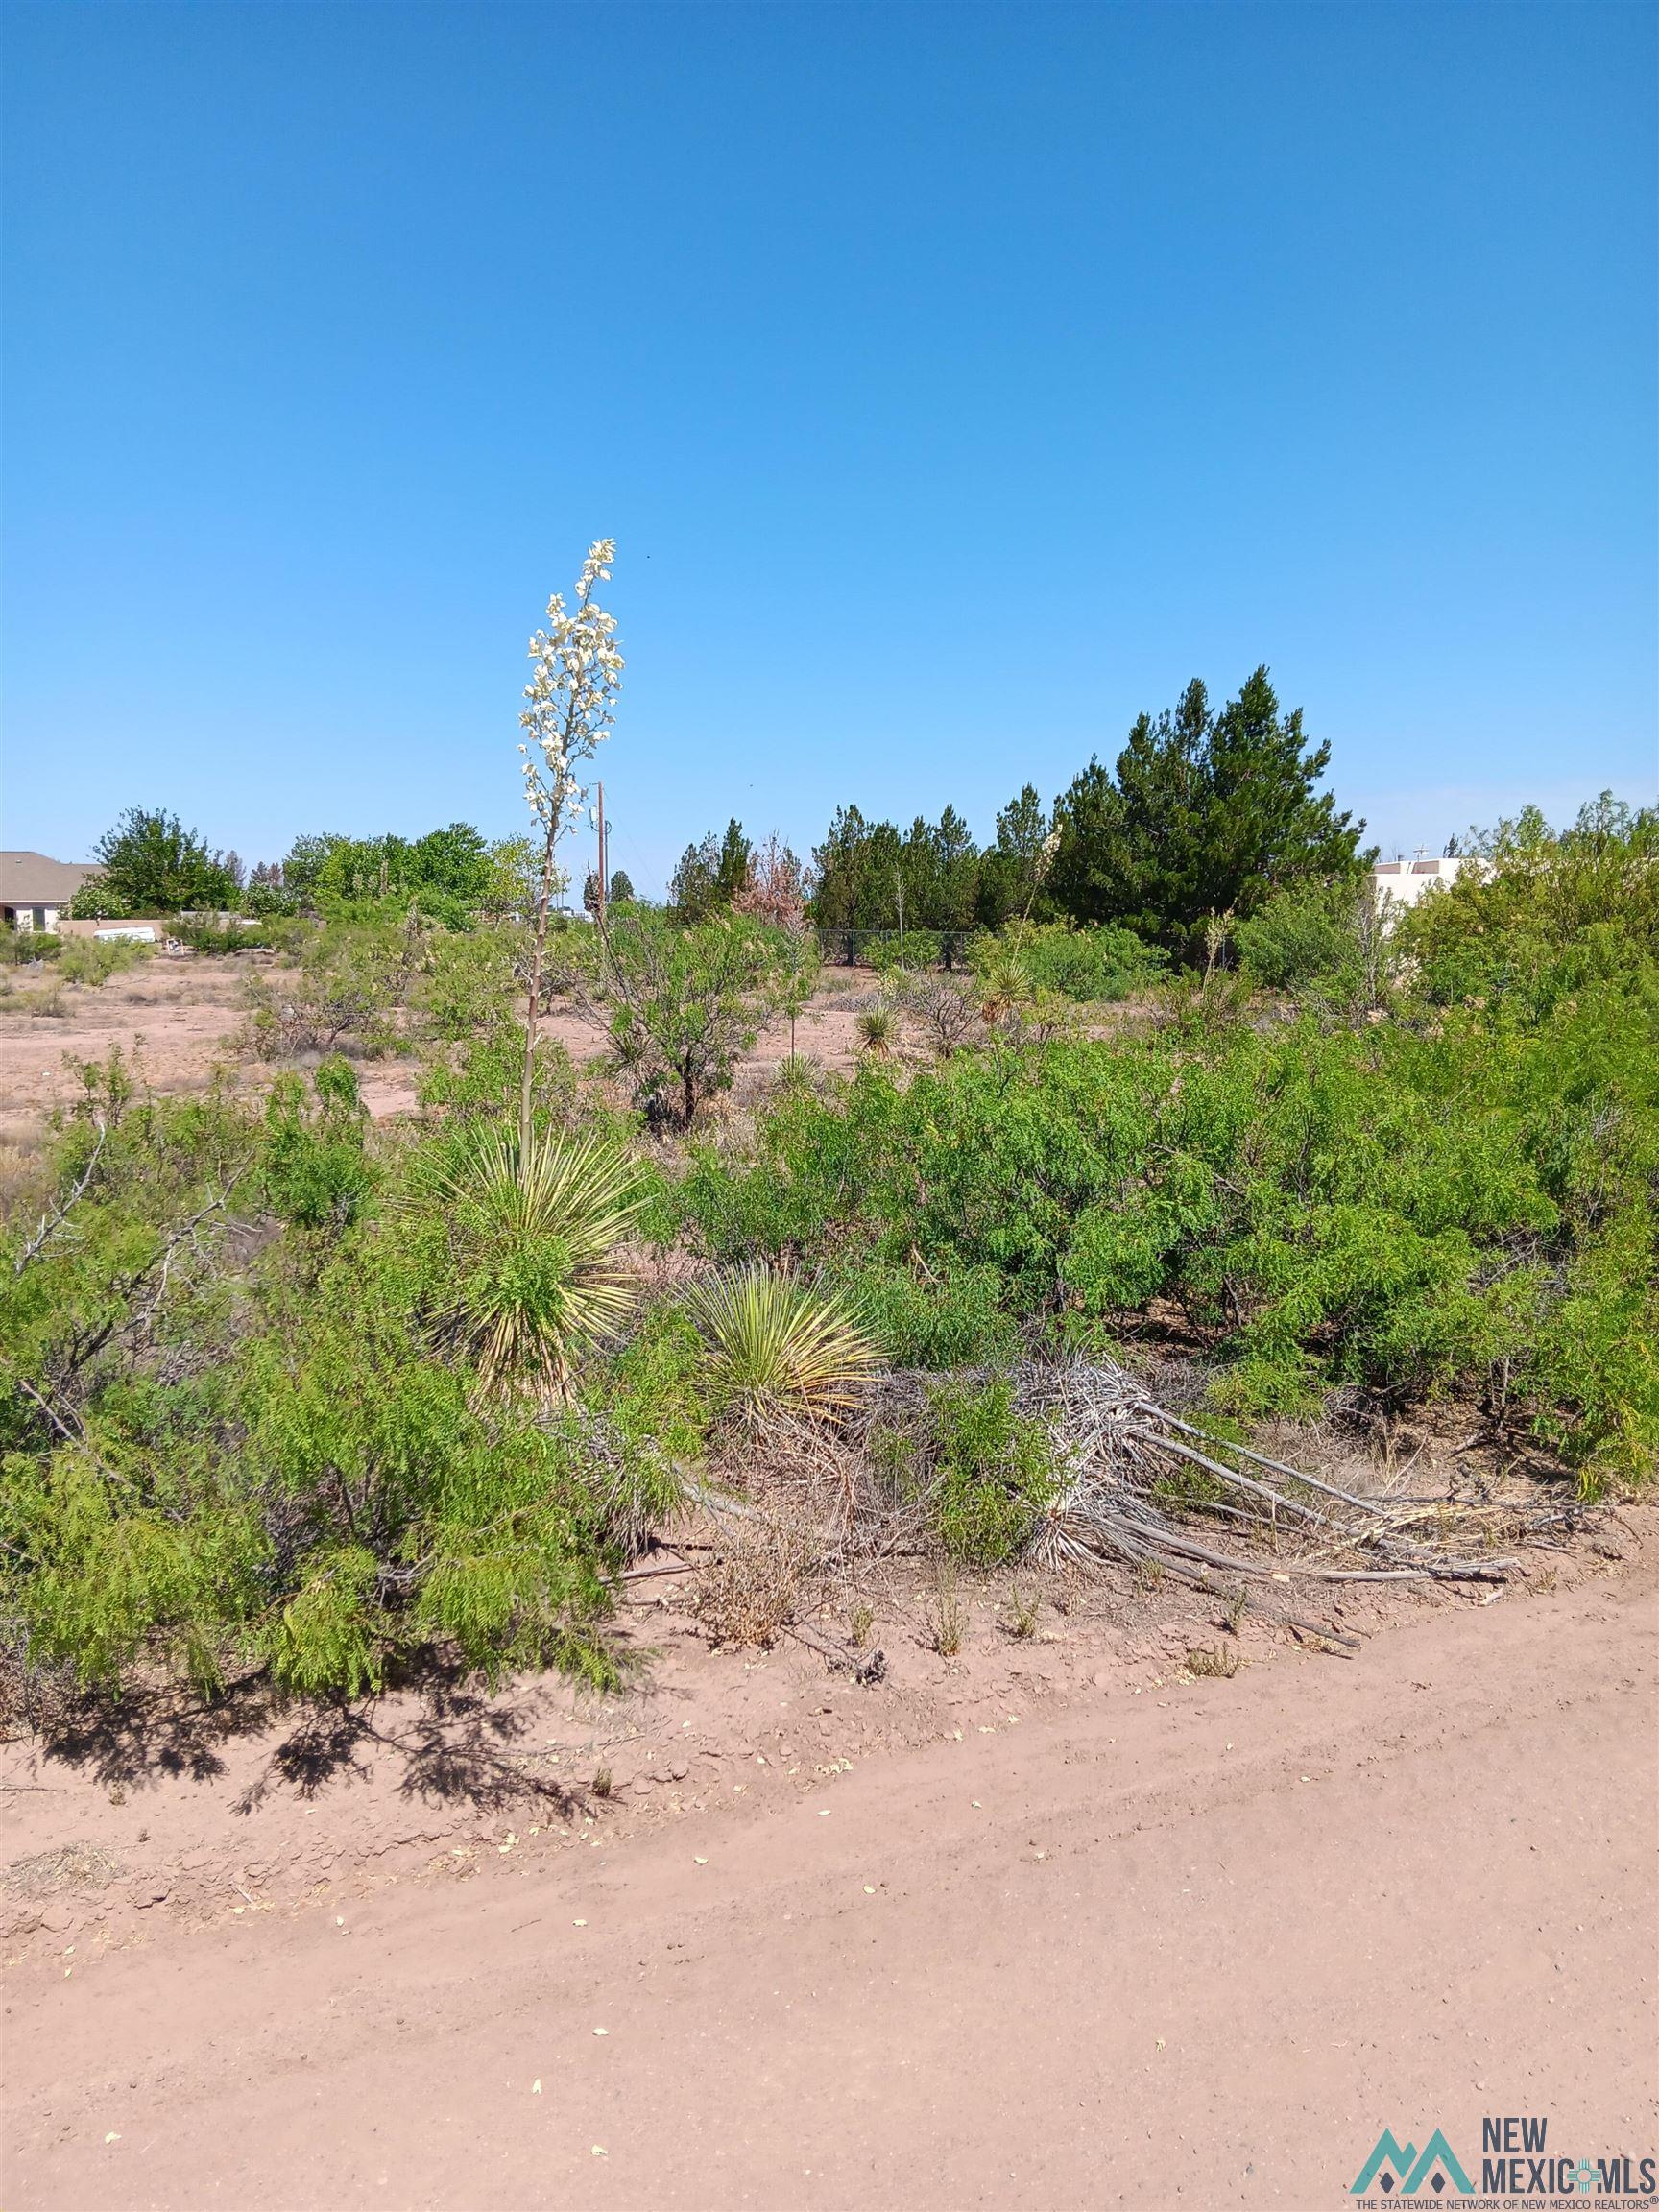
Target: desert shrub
x=680, y=1005
x=91, y=961
x=469, y=984
x=398, y=1512
x=239, y=1427
x=1302, y=934
x=949, y=1320
x=752, y=1588
x=645, y=1415
x=1462, y=1203
x=314, y=1169
x=945, y=1011
x=199, y=934
x=922, y=949
x=18, y=947
x=46, y=1002
x=345, y=993
x=1105, y=964
x=994, y=1471
x=483, y=1078
x=1543, y=915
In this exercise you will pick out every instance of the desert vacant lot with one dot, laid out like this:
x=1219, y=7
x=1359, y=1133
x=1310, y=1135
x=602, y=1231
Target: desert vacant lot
x=958, y=1806
x=184, y=1018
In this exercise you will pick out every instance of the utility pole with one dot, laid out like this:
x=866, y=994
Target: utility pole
x=603, y=874
x=899, y=887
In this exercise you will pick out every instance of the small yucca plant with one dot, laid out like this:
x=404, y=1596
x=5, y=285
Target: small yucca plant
x=778, y=1345
x=532, y=1236
x=877, y=1029
x=1004, y=985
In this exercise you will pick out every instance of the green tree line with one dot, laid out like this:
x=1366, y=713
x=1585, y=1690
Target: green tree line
x=1207, y=813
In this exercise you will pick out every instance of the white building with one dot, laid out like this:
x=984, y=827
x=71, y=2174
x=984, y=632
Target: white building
x=1407, y=881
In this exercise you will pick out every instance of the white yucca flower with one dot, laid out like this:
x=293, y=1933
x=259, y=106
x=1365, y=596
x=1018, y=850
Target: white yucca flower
x=577, y=670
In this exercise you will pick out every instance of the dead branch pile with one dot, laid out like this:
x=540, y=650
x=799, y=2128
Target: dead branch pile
x=1136, y=1480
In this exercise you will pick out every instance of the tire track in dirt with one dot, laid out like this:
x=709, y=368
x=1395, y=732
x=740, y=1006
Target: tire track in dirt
x=1192, y=1949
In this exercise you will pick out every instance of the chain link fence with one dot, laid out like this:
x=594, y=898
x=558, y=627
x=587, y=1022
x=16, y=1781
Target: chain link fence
x=879, y=949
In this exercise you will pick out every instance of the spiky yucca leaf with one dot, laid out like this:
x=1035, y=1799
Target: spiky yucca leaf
x=532, y=1237
x=1005, y=984
x=878, y=1029
x=778, y=1345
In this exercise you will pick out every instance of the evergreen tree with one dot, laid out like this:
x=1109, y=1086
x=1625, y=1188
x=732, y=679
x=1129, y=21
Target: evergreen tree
x=1206, y=814
x=694, y=888
x=838, y=869
x=1010, y=871
x=731, y=869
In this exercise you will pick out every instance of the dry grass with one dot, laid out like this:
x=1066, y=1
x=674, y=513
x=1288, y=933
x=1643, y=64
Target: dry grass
x=1019, y=1612
x=71, y=1866
x=751, y=1589
x=946, y=1616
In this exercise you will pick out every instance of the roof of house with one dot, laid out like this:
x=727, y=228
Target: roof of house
x=32, y=879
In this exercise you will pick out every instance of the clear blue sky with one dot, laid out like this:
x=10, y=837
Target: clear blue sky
x=956, y=381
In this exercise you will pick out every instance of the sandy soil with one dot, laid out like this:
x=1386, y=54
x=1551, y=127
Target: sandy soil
x=1051, y=1924
x=180, y=1018
x=176, y=1016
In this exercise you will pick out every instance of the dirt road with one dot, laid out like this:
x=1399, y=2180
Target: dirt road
x=1198, y=1948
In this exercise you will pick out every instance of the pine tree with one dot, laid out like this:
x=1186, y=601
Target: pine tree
x=1205, y=814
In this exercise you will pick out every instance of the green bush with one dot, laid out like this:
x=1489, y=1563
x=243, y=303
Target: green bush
x=993, y=1472
x=18, y=946
x=952, y=1320
x=1541, y=916
x=1302, y=934
x=468, y=986
x=1090, y=966
x=315, y=1170
x=348, y=990
x=1462, y=1203
x=922, y=949
x=93, y=960
x=217, y=937
x=236, y=1431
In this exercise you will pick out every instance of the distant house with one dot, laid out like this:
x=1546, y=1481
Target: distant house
x=35, y=892
x=1407, y=881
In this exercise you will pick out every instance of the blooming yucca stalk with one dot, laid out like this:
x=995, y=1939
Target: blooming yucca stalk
x=578, y=673
x=778, y=1345
x=532, y=1232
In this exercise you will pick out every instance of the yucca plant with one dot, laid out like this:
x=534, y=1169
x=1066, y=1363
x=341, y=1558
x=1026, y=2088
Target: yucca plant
x=1004, y=985
x=532, y=1236
x=877, y=1030
x=779, y=1345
